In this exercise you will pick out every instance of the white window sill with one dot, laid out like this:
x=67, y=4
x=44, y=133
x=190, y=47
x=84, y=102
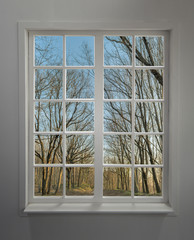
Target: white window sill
x=134, y=208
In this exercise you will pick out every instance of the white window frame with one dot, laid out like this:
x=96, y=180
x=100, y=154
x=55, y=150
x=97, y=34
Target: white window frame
x=29, y=204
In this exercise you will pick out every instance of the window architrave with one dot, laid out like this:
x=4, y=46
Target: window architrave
x=166, y=206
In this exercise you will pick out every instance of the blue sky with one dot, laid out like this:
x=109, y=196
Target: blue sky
x=74, y=50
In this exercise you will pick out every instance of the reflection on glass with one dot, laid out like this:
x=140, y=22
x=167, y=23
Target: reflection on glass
x=48, y=181
x=117, y=117
x=148, y=149
x=48, y=84
x=79, y=149
x=117, y=181
x=117, y=149
x=80, y=83
x=79, y=181
x=149, y=51
x=48, y=50
x=148, y=181
x=48, y=149
x=117, y=84
x=80, y=116
x=48, y=116
x=149, y=84
x=117, y=50
x=80, y=51
x=149, y=117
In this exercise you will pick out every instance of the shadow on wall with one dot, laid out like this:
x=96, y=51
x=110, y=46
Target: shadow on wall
x=95, y=226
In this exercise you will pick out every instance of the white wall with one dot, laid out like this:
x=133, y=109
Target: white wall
x=91, y=226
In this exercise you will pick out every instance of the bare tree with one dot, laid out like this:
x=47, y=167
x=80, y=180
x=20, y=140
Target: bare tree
x=49, y=117
x=117, y=118
x=148, y=116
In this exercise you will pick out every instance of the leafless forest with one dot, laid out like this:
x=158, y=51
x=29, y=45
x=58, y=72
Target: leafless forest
x=79, y=116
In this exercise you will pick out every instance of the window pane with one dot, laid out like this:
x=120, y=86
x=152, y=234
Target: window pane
x=117, y=181
x=48, y=149
x=117, y=84
x=48, y=117
x=48, y=84
x=148, y=181
x=149, y=51
x=117, y=117
x=148, y=149
x=79, y=149
x=117, y=149
x=80, y=116
x=48, y=50
x=48, y=181
x=149, y=84
x=79, y=181
x=76, y=69
x=117, y=50
x=80, y=51
x=80, y=83
x=149, y=117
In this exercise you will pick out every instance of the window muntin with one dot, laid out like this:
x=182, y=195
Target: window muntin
x=129, y=100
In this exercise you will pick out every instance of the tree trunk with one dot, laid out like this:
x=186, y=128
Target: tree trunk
x=135, y=182
x=73, y=178
x=44, y=173
x=68, y=178
x=158, y=189
x=117, y=180
x=153, y=170
x=144, y=176
x=79, y=178
x=59, y=181
x=48, y=182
